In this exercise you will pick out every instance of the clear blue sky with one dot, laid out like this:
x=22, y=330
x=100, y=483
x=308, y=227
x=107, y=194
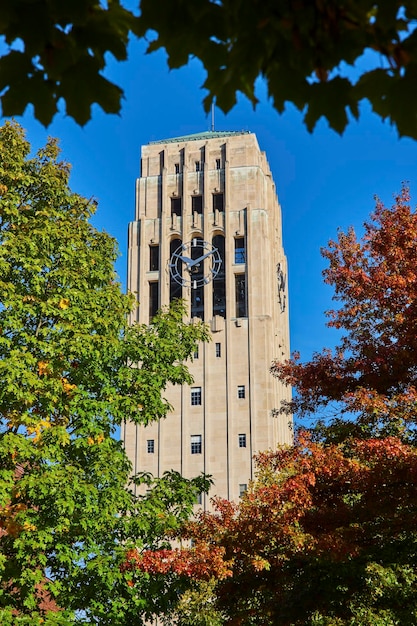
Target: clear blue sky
x=324, y=181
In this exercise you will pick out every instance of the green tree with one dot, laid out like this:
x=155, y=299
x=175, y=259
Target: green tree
x=58, y=50
x=70, y=371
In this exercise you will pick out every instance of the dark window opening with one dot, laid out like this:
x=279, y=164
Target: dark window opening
x=176, y=206
x=197, y=302
x=197, y=204
x=177, y=168
x=242, y=440
x=218, y=350
x=196, y=353
x=219, y=281
x=218, y=164
x=241, y=391
x=153, y=299
x=197, y=166
x=218, y=202
x=241, y=307
x=240, y=255
x=175, y=288
x=150, y=446
x=153, y=258
x=242, y=489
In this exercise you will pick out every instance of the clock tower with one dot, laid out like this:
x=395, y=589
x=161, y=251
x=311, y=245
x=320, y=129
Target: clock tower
x=208, y=229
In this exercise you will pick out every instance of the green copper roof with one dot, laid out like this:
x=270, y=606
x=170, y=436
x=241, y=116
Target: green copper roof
x=209, y=134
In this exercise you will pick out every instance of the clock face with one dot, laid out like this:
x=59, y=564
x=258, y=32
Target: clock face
x=195, y=263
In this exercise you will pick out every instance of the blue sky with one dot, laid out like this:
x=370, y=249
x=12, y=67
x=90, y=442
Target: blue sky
x=324, y=181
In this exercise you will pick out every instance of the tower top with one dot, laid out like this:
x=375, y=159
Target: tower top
x=208, y=134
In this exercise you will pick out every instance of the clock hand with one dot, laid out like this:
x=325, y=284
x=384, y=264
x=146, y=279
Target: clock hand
x=200, y=258
x=186, y=259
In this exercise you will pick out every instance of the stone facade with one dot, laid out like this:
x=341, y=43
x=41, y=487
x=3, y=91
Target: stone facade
x=213, y=189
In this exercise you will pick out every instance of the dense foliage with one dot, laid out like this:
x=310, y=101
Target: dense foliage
x=303, y=50
x=373, y=372
x=70, y=371
x=325, y=535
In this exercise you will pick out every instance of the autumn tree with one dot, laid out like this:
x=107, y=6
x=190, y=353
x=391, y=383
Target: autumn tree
x=372, y=374
x=325, y=536
x=57, y=51
x=70, y=371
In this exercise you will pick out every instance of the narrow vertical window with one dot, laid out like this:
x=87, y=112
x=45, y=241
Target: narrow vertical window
x=197, y=302
x=177, y=168
x=176, y=206
x=195, y=396
x=196, y=444
x=197, y=204
x=175, y=289
x=218, y=350
x=218, y=202
x=219, y=282
x=241, y=391
x=199, y=498
x=150, y=446
x=241, y=306
x=153, y=298
x=243, y=487
x=153, y=258
x=240, y=256
x=218, y=164
x=196, y=353
x=242, y=440
x=197, y=166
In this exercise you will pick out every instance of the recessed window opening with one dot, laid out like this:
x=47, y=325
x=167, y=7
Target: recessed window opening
x=195, y=396
x=240, y=253
x=153, y=298
x=150, y=446
x=242, y=440
x=218, y=202
x=218, y=350
x=197, y=204
x=175, y=289
x=196, y=444
x=219, y=282
x=240, y=290
x=176, y=206
x=241, y=391
x=153, y=258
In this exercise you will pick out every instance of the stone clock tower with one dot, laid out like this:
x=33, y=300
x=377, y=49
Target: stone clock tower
x=208, y=229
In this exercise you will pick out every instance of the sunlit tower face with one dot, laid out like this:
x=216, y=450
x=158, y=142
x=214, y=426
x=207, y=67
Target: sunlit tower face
x=207, y=229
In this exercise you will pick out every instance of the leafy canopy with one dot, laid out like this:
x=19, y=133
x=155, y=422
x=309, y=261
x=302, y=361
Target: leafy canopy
x=324, y=536
x=71, y=370
x=373, y=372
x=55, y=50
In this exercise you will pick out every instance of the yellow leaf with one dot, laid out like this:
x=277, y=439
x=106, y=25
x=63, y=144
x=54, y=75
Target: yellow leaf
x=43, y=367
x=63, y=303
